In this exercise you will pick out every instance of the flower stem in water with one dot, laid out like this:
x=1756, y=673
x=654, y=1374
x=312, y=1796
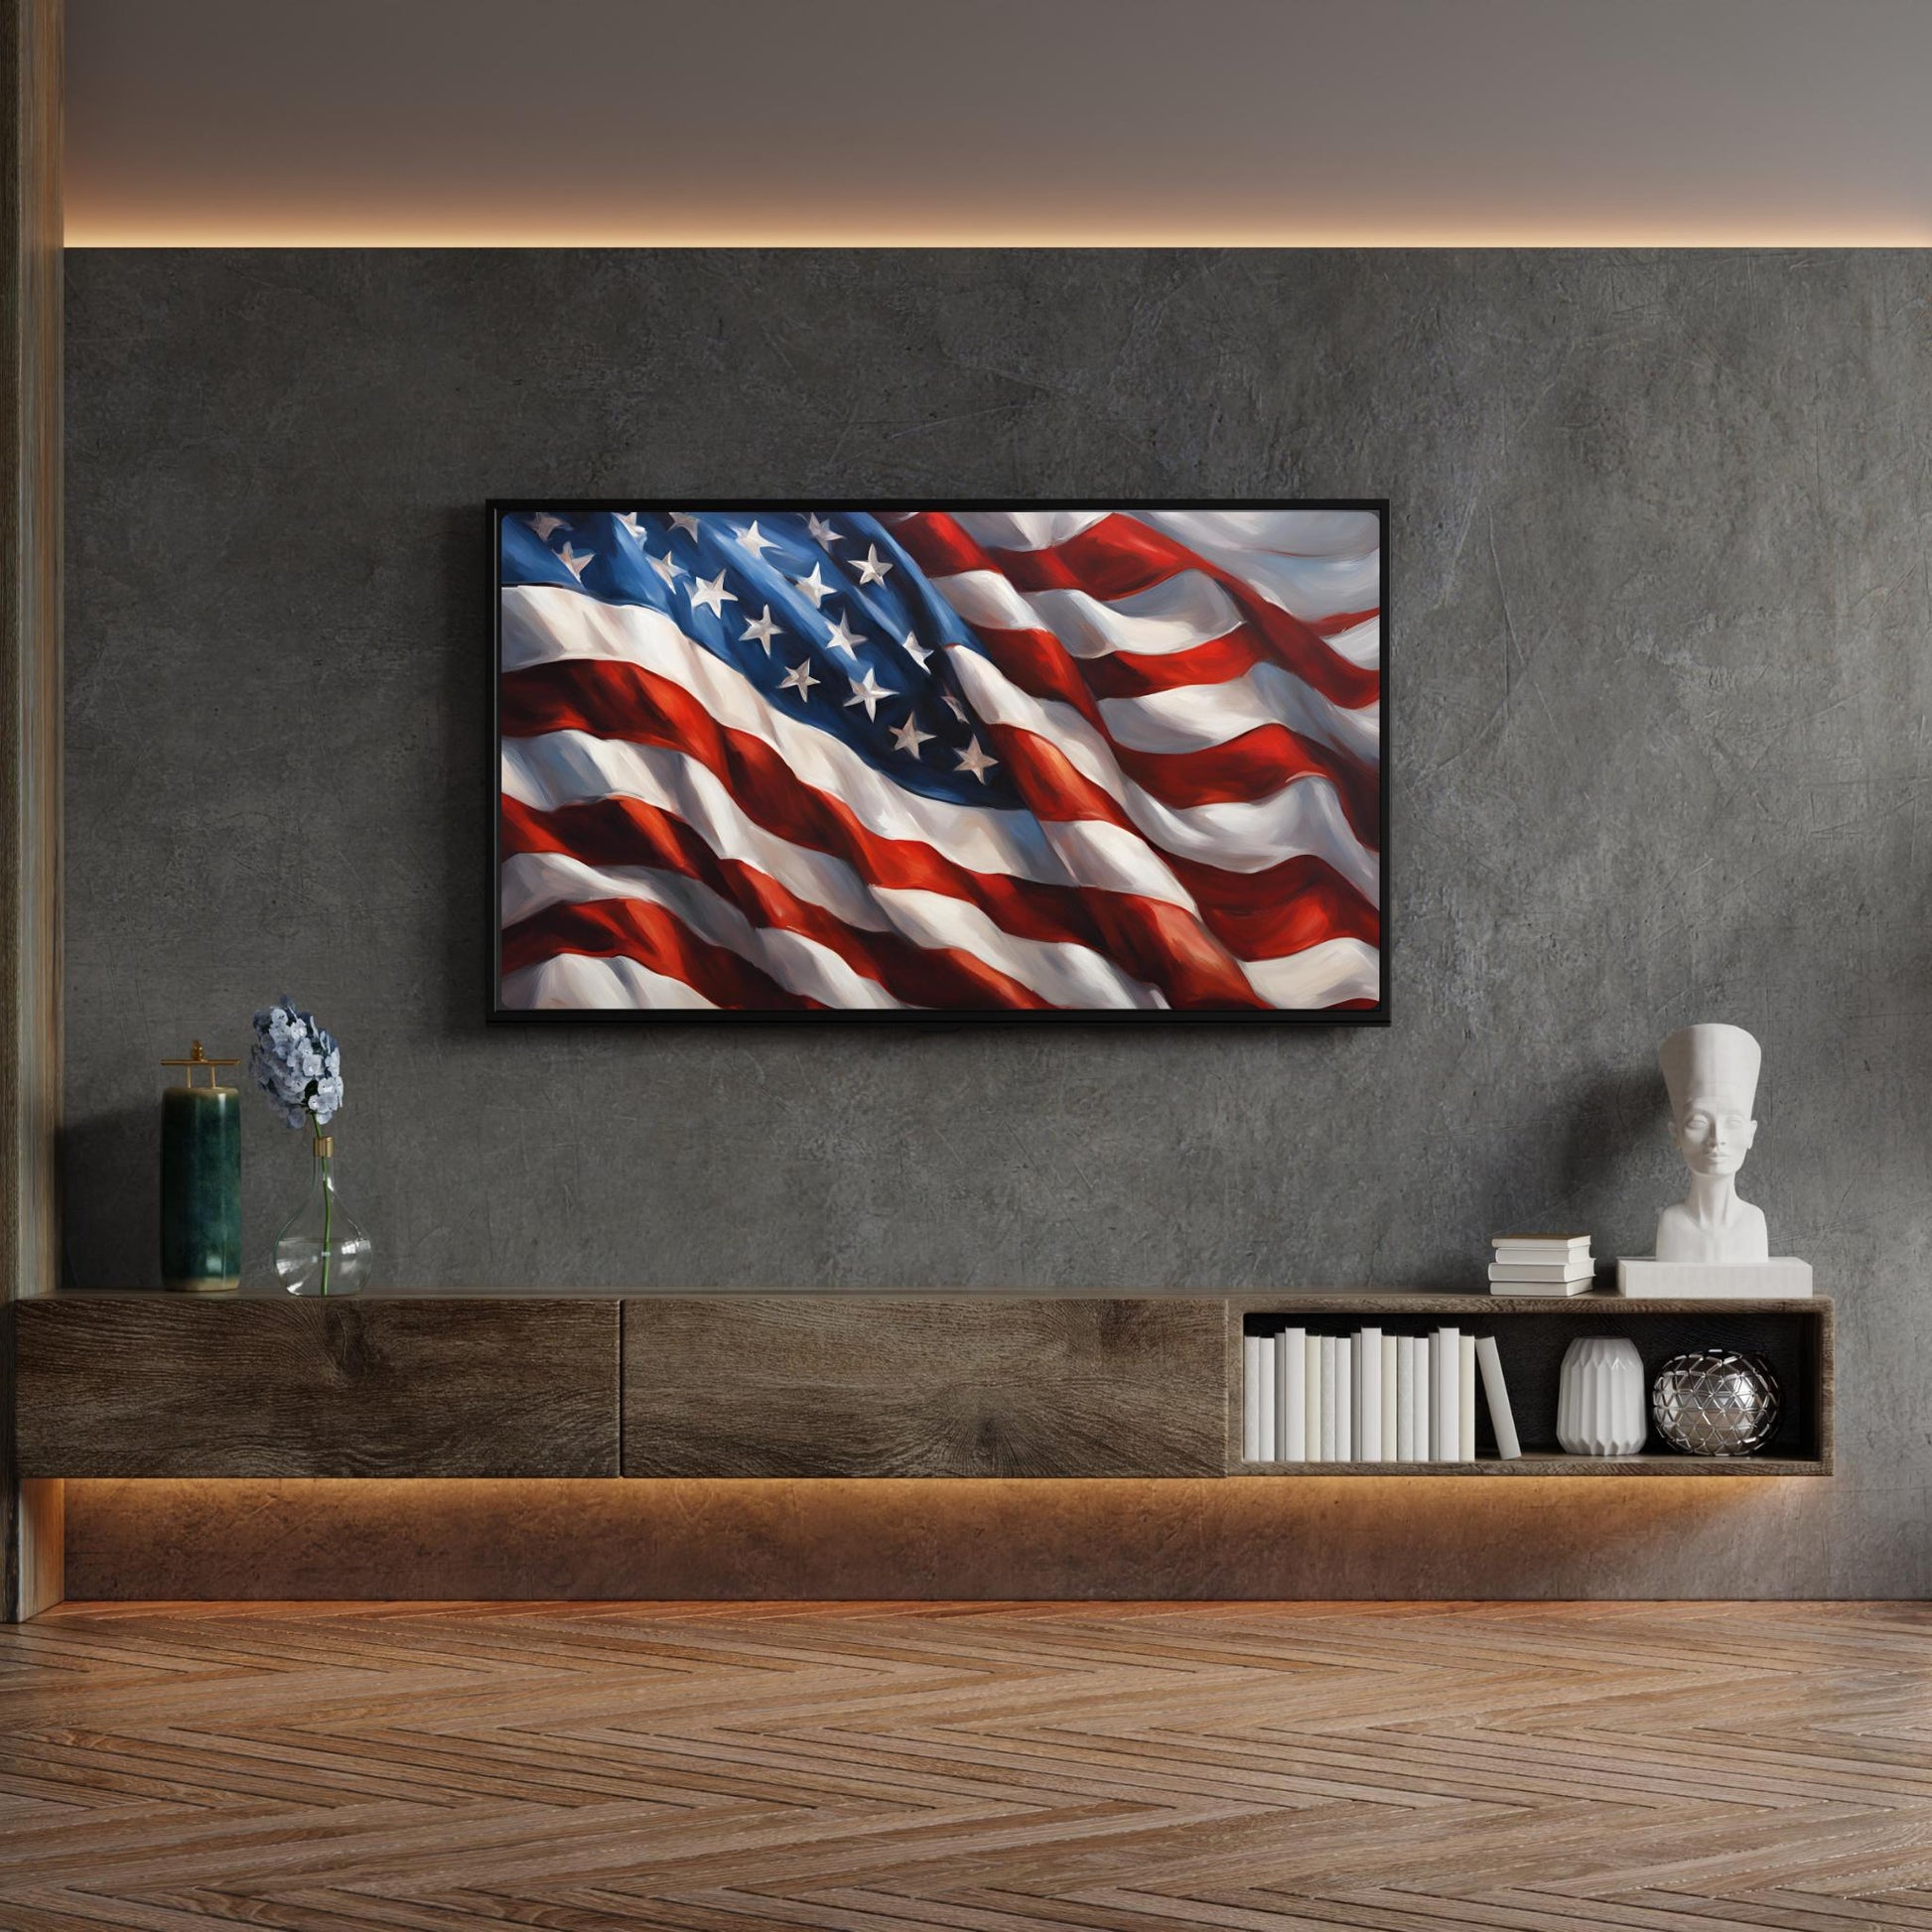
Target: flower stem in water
x=328, y=1220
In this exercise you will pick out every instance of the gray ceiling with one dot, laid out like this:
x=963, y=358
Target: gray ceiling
x=632, y=121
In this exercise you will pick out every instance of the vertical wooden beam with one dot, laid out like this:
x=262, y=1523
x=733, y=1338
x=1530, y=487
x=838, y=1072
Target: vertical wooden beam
x=30, y=738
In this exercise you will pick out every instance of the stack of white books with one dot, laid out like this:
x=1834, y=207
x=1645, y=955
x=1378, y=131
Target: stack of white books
x=1369, y=1397
x=1542, y=1263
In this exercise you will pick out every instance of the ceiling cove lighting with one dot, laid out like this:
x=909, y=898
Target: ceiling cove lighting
x=492, y=231
x=1108, y=123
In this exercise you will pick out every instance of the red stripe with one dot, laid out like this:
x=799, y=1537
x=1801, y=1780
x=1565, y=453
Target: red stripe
x=628, y=832
x=1160, y=944
x=1337, y=621
x=1283, y=910
x=1120, y=557
x=636, y=929
x=1255, y=765
x=1141, y=674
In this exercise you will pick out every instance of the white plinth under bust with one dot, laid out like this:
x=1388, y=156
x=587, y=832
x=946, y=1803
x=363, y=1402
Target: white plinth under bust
x=1780, y=1279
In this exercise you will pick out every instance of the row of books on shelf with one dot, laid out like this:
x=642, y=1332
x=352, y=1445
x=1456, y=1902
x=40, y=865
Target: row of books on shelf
x=1370, y=1397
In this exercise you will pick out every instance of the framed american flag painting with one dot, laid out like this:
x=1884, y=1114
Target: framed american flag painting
x=938, y=761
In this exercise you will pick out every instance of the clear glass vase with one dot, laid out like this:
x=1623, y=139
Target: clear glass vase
x=322, y=1251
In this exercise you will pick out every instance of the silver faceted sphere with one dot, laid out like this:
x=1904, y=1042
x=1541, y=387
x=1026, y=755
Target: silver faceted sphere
x=1716, y=1402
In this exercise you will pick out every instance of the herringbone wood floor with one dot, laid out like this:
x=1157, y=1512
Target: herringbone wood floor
x=1669, y=1768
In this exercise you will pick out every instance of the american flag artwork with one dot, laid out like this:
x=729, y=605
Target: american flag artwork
x=962, y=760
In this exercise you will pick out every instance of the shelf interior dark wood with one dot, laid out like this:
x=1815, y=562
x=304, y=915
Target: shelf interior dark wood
x=1794, y=1338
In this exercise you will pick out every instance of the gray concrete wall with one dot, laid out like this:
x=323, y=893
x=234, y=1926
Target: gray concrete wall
x=1658, y=736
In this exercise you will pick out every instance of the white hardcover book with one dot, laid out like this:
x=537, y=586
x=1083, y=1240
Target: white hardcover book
x=1533, y=1247
x=1444, y=1372
x=1387, y=1398
x=1251, y=1397
x=1344, y=1400
x=1311, y=1401
x=1465, y=1399
x=1328, y=1398
x=1368, y=1395
x=1495, y=1392
x=1576, y=1268
x=1404, y=1398
x=1582, y=1285
x=1291, y=1394
x=1266, y=1430
x=1425, y=1400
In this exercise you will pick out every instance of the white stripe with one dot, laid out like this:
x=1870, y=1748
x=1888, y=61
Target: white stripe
x=568, y=980
x=1314, y=570
x=1175, y=615
x=1061, y=972
x=535, y=880
x=1305, y=817
x=1196, y=717
x=1026, y=529
x=1360, y=643
x=545, y=623
x=1286, y=533
x=1322, y=976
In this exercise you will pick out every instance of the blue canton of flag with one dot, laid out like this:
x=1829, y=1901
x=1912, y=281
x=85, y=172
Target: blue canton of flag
x=827, y=616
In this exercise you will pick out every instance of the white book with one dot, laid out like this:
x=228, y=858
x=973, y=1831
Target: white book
x=1577, y=1269
x=1251, y=1397
x=1582, y=1285
x=1387, y=1398
x=1266, y=1429
x=1445, y=1374
x=1495, y=1392
x=1311, y=1401
x=1290, y=1395
x=1368, y=1395
x=1536, y=1246
x=1327, y=1399
x=1344, y=1400
x=1404, y=1398
x=1425, y=1400
x=1465, y=1399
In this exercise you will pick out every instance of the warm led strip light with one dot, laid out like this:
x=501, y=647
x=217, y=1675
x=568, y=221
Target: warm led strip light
x=723, y=229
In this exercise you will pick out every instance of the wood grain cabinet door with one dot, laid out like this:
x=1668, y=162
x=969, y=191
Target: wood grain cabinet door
x=855, y=1385
x=165, y=1386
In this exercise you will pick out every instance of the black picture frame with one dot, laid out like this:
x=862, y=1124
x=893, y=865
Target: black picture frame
x=948, y=1019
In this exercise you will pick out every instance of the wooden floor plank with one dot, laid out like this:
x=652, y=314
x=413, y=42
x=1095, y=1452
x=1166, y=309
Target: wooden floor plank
x=968, y=1768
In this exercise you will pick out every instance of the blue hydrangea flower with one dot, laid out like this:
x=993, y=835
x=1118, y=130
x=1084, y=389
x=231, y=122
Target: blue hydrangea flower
x=297, y=1063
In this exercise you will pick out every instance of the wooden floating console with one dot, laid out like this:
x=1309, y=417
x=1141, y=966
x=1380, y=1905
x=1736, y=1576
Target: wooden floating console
x=813, y=1384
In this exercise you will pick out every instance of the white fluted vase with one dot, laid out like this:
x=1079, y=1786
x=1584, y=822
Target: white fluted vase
x=1600, y=1399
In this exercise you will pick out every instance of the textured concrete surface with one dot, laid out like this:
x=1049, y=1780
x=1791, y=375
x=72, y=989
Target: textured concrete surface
x=1658, y=733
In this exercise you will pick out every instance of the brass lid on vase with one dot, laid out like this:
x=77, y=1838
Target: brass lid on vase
x=198, y=1058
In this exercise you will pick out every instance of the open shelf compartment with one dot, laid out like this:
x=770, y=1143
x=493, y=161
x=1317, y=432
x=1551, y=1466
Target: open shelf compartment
x=1793, y=1336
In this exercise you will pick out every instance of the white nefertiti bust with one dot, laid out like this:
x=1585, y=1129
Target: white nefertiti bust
x=1712, y=1074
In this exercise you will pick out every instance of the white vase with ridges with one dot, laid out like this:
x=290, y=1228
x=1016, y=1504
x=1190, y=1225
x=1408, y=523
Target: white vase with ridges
x=1601, y=1406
